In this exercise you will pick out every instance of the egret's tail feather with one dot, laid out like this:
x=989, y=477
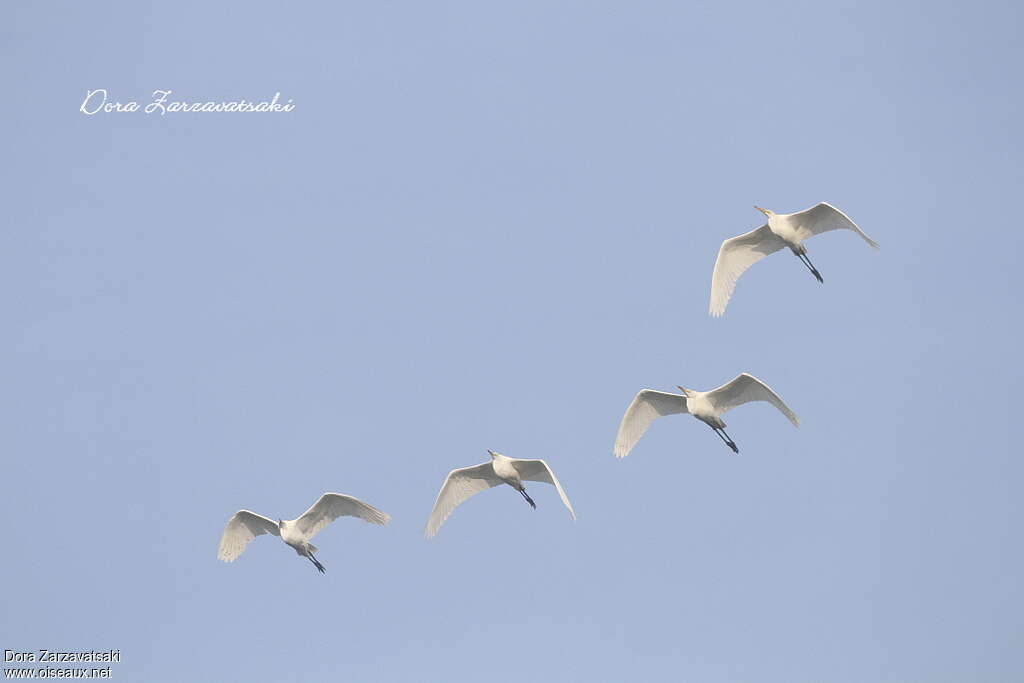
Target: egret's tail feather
x=528, y=499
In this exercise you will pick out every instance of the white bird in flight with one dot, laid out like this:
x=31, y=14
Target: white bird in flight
x=706, y=406
x=781, y=230
x=245, y=526
x=463, y=483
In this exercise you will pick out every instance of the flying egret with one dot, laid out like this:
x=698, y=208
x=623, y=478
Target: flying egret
x=245, y=526
x=706, y=406
x=462, y=483
x=781, y=230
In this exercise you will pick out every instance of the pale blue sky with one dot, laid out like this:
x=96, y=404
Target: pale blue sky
x=487, y=226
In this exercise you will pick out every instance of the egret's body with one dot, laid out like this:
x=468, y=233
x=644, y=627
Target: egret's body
x=293, y=536
x=245, y=526
x=782, y=230
x=701, y=407
x=461, y=484
x=507, y=472
x=706, y=406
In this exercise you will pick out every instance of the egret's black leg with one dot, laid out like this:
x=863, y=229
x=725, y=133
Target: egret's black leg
x=731, y=443
x=724, y=437
x=814, y=271
x=316, y=563
x=528, y=499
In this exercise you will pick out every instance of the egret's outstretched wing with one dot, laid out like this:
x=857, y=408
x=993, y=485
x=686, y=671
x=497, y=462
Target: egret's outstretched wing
x=240, y=529
x=744, y=389
x=646, y=405
x=734, y=257
x=822, y=218
x=538, y=470
x=458, y=486
x=334, y=505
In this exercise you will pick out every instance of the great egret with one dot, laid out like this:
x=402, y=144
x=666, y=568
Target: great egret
x=460, y=484
x=781, y=230
x=706, y=406
x=245, y=526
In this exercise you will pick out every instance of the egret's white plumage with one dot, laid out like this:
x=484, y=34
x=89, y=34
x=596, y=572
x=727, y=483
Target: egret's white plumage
x=706, y=406
x=461, y=484
x=782, y=230
x=245, y=526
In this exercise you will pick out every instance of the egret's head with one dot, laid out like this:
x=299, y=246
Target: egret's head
x=686, y=392
x=492, y=453
x=766, y=212
x=280, y=524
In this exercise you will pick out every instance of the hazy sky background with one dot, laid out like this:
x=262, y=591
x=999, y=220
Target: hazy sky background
x=487, y=225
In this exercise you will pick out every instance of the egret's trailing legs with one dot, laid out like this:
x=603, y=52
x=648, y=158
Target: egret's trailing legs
x=527, y=497
x=316, y=563
x=807, y=262
x=730, y=442
x=726, y=438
